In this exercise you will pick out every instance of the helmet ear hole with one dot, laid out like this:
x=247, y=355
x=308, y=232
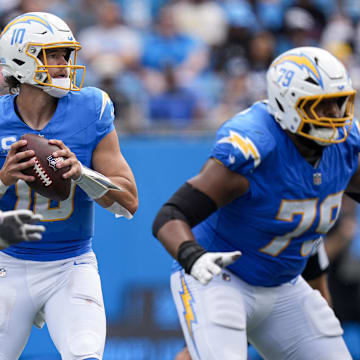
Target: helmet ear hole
x=19, y=62
x=311, y=81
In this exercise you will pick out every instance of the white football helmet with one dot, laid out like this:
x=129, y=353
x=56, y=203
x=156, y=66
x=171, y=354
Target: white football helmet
x=31, y=34
x=298, y=81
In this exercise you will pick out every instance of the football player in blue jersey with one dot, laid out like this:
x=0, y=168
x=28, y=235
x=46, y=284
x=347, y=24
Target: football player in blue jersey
x=246, y=225
x=315, y=273
x=56, y=280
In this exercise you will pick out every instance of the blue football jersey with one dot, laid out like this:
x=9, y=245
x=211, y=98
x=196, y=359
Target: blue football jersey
x=290, y=204
x=81, y=120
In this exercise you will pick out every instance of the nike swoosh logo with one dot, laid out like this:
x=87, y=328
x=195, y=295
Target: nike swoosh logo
x=80, y=263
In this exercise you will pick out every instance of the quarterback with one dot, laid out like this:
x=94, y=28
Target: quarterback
x=246, y=225
x=56, y=280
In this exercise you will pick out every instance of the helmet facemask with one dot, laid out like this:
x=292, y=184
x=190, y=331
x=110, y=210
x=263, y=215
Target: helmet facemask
x=302, y=83
x=326, y=130
x=56, y=87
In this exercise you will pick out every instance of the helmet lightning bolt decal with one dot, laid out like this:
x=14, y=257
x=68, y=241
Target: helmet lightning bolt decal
x=27, y=19
x=244, y=144
x=303, y=62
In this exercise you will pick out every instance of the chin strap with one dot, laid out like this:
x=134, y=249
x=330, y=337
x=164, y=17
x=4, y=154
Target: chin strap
x=63, y=89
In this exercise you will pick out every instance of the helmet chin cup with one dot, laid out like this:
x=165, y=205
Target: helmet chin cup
x=60, y=87
x=326, y=134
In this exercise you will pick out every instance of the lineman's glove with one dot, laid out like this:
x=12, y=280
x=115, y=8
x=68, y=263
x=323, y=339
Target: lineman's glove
x=18, y=225
x=203, y=265
x=210, y=264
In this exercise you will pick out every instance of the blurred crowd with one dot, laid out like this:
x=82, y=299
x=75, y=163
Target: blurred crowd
x=180, y=65
x=188, y=65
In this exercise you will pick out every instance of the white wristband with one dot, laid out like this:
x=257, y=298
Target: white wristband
x=119, y=211
x=3, y=188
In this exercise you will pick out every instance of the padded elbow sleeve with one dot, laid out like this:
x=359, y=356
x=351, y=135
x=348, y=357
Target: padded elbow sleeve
x=187, y=204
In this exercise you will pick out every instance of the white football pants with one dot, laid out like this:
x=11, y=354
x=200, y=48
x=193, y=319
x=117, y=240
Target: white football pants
x=66, y=294
x=287, y=322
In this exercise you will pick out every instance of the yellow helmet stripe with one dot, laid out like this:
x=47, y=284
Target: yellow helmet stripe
x=302, y=61
x=27, y=19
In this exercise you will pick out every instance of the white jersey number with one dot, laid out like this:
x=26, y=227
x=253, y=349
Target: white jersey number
x=27, y=199
x=329, y=211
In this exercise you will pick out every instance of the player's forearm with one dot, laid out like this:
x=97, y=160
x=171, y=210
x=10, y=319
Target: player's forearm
x=127, y=198
x=173, y=234
x=117, y=194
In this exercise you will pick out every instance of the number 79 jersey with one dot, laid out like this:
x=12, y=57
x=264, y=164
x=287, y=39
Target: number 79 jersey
x=81, y=120
x=290, y=204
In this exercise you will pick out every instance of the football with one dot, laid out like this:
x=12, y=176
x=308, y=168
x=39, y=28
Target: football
x=48, y=178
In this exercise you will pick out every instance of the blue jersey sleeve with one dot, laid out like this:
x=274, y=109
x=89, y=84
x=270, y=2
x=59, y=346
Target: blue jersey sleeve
x=104, y=113
x=240, y=145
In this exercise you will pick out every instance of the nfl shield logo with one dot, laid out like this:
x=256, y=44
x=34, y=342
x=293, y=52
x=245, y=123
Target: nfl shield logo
x=317, y=178
x=3, y=272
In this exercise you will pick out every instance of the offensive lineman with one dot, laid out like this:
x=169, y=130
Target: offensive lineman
x=56, y=280
x=268, y=194
x=315, y=273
